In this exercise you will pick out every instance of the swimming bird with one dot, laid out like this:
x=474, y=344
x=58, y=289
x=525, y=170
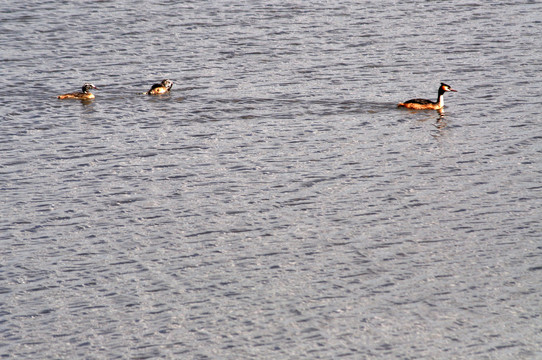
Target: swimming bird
x=85, y=94
x=162, y=88
x=421, y=104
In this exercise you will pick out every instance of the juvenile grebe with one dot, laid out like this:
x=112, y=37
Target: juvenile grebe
x=162, y=88
x=84, y=95
x=421, y=104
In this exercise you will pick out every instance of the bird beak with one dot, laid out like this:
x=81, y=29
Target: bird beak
x=450, y=89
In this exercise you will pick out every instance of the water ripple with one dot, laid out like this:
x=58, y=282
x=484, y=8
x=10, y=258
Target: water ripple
x=276, y=203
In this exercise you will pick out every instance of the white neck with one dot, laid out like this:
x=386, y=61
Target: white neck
x=441, y=100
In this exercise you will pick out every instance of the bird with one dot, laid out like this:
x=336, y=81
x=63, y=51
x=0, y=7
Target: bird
x=422, y=104
x=85, y=93
x=162, y=88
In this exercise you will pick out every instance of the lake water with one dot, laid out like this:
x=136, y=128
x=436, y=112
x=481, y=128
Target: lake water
x=277, y=204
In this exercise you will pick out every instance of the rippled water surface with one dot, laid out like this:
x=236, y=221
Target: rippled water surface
x=277, y=204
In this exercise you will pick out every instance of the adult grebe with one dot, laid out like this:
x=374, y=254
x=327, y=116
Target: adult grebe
x=421, y=104
x=84, y=95
x=162, y=88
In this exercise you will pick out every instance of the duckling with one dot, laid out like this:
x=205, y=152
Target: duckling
x=84, y=95
x=162, y=88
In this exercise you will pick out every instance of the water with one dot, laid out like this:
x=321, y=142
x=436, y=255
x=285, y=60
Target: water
x=276, y=204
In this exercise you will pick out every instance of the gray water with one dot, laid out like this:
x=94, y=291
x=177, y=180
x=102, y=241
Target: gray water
x=277, y=204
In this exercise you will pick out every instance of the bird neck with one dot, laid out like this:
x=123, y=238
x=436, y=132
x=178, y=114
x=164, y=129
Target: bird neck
x=440, y=99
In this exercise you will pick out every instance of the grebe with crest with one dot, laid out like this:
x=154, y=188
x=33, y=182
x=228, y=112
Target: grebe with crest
x=162, y=88
x=85, y=94
x=424, y=104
